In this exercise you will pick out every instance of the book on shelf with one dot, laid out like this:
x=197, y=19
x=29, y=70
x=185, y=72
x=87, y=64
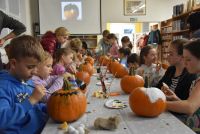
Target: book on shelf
x=178, y=10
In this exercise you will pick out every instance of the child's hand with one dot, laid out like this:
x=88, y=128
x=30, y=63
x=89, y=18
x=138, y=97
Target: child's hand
x=37, y=94
x=79, y=56
x=71, y=69
x=141, y=72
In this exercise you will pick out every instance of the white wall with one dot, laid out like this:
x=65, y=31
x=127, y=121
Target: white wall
x=112, y=11
x=24, y=15
x=156, y=11
x=28, y=17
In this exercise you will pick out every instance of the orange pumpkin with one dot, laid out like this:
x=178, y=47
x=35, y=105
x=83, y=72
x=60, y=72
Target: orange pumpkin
x=109, y=65
x=118, y=70
x=66, y=104
x=130, y=82
x=148, y=102
x=83, y=76
x=90, y=60
x=165, y=66
x=104, y=60
x=87, y=67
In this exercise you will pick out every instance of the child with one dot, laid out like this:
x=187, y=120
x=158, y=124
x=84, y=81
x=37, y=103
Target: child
x=149, y=70
x=113, y=52
x=64, y=67
x=76, y=46
x=64, y=59
x=126, y=43
x=133, y=60
x=191, y=106
x=20, y=111
x=43, y=77
x=85, y=51
x=177, y=77
x=123, y=54
x=103, y=45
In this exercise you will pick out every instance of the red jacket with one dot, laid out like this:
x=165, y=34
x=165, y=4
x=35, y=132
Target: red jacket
x=48, y=42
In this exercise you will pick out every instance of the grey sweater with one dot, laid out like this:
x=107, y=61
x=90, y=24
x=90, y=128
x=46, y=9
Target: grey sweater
x=11, y=23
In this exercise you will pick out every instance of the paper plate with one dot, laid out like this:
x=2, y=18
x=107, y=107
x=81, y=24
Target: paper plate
x=115, y=104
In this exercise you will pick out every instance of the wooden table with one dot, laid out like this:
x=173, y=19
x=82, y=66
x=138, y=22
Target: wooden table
x=166, y=123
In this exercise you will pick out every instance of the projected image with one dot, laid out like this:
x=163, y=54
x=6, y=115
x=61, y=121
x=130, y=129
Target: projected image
x=71, y=10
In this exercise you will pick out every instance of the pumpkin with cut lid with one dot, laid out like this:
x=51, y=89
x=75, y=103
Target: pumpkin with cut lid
x=148, y=102
x=67, y=104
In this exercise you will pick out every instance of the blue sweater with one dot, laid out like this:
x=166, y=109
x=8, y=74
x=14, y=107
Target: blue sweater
x=17, y=114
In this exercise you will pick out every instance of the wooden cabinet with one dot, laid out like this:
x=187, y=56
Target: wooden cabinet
x=91, y=40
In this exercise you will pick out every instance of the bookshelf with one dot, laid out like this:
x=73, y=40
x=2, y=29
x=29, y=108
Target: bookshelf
x=91, y=40
x=166, y=33
x=175, y=28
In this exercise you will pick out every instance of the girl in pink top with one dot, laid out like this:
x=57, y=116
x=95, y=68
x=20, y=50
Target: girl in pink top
x=114, y=45
x=64, y=59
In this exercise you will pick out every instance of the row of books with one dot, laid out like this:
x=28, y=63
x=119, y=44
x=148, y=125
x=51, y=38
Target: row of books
x=180, y=37
x=179, y=25
x=178, y=9
x=167, y=30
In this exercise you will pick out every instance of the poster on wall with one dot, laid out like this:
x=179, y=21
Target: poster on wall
x=134, y=7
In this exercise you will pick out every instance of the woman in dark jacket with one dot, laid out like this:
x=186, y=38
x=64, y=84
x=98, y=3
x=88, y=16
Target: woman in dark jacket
x=177, y=77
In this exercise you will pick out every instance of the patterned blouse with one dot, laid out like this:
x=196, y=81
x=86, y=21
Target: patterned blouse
x=193, y=121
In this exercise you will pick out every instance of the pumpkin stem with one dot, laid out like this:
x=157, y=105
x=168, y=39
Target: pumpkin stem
x=66, y=84
x=132, y=71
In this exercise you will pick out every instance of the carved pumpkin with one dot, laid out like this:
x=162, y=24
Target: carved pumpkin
x=87, y=67
x=66, y=104
x=148, y=102
x=104, y=60
x=83, y=76
x=130, y=82
x=118, y=70
x=90, y=60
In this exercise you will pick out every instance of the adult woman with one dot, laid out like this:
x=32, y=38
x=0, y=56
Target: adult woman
x=191, y=106
x=177, y=77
